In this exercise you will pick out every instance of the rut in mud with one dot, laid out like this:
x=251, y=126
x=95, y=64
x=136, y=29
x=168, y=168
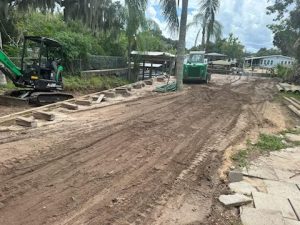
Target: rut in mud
x=150, y=161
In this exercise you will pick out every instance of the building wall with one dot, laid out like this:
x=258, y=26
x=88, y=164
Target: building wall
x=272, y=62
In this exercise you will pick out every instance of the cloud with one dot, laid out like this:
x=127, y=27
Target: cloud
x=247, y=19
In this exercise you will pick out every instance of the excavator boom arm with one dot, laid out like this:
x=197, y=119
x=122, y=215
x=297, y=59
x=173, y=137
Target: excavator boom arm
x=9, y=68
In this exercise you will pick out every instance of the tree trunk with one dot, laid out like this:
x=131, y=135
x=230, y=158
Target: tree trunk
x=181, y=45
x=2, y=76
x=129, y=59
x=203, y=36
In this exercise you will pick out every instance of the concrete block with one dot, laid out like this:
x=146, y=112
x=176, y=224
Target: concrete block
x=235, y=176
x=109, y=94
x=148, y=82
x=43, y=115
x=284, y=189
x=251, y=216
x=84, y=102
x=98, y=99
x=160, y=79
x=123, y=91
x=293, y=137
x=26, y=122
x=137, y=86
x=291, y=222
x=242, y=188
x=234, y=200
x=129, y=87
x=273, y=202
x=69, y=106
x=296, y=205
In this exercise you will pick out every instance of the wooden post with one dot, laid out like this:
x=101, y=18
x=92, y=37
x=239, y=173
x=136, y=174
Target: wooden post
x=151, y=70
x=144, y=70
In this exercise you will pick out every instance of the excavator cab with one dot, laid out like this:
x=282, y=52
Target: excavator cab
x=40, y=74
x=41, y=63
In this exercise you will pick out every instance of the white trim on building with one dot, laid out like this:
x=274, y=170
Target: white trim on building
x=270, y=61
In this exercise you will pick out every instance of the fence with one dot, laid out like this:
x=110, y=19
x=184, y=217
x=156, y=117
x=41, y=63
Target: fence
x=92, y=62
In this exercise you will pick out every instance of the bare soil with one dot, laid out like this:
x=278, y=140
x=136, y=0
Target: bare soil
x=151, y=161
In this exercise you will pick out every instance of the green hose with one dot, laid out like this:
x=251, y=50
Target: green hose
x=167, y=88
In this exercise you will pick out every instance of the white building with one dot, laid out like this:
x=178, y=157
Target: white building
x=269, y=62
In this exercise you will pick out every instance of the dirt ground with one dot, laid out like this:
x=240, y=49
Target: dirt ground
x=155, y=160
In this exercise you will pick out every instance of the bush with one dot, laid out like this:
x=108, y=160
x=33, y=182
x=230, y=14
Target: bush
x=284, y=72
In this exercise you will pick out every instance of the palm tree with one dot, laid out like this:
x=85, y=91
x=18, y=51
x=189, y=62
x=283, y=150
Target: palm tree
x=200, y=21
x=181, y=45
x=208, y=8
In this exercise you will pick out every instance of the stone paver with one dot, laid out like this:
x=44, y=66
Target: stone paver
x=242, y=188
x=235, y=176
x=251, y=216
x=293, y=137
x=296, y=205
x=291, y=222
x=234, y=200
x=272, y=202
x=283, y=189
x=262, y=172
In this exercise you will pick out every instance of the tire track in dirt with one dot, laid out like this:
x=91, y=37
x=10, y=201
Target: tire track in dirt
x=116, y=171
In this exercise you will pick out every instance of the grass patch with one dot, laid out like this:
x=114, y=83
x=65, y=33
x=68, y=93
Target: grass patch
x=269, y=143
x=95, y=83
x=266, y=143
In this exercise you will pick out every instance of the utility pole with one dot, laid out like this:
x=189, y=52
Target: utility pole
x=2, y=76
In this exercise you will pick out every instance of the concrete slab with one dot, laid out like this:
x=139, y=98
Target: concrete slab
x=291, y=222
x=293, y=137
x=234, y=200
x=284, y=189
x=26, y=122
x=235, y=176
x=288, y=176
x=261, y=172
x=242, y=188
x=296, y=205
x=43, y=115
x=69, y=106
x=272, y=202
x=84, y=102
x=252, y=216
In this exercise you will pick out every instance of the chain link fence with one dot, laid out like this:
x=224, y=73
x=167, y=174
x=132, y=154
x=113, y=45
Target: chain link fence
x=92, y=62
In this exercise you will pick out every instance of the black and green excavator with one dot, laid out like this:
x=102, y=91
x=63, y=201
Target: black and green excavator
x=39, y=79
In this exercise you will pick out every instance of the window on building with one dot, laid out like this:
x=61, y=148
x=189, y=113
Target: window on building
x=281, y=62
x=285, y=62
x=271, y=62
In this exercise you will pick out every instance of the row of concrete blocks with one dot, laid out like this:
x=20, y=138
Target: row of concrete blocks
x=42, y=115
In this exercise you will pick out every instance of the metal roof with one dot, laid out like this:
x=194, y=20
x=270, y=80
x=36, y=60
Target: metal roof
x=153, y=54
x=269, y=56
x=215, y=54
x=47, y=41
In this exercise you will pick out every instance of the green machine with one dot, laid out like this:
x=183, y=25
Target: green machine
x=40, y=77
x=195, y=68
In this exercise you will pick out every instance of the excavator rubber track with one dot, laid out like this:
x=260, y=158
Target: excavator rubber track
x=46, y=98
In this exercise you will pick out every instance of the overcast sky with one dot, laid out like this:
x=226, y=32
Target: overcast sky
x=247, y=19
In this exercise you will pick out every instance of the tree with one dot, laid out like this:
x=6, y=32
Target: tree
x=232, y=47
x=181, y=45
x=265, y=51
x=287, y=29
x=198, y=21
x=208, y=9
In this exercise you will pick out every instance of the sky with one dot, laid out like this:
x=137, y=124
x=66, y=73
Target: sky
x=247, y=19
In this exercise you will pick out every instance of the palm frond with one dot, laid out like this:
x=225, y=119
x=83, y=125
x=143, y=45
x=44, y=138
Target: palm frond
x=169, y=8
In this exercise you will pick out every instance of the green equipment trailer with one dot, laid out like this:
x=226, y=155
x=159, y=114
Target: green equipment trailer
x=195, y=68
x=40, y=77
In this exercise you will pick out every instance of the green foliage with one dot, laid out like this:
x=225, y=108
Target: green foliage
x=232, y=47
x=265, y=52
x=286, y=31
x=269, y=143
x=283, y=71
x=266, y=143
x=95, y=83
